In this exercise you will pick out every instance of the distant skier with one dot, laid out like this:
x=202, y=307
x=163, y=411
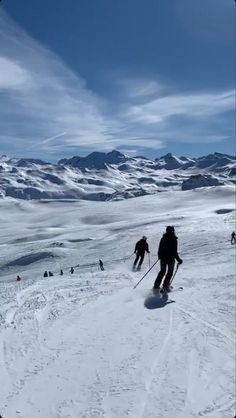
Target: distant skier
x=50, y=274
x=140, y=248
x=45, y=274
x=61, y=272
x=167, y=253
x=18, y=278
x=233, y=238
x=101, y=265
x=72, y=270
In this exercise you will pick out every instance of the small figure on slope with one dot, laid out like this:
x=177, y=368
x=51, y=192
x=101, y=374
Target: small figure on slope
x=101, y=265
x=233, y=238
x=45, y=274
x=18, y=278
x=72, y=270
x=167, y=253
x=140, y=248
x=61, y=272
x=50, y=274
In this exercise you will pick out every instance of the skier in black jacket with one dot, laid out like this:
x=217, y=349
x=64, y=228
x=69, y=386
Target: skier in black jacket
x=101, y=265
x=167, y=253
x=140, y=248
x=233, y=237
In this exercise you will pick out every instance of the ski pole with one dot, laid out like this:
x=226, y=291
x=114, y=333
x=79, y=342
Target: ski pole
x=130, y=256
x=172, y=278
x=146, y=274
x=149, y=259
x=124, y=259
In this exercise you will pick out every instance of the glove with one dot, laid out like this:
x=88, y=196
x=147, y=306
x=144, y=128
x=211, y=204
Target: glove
x=180, y=261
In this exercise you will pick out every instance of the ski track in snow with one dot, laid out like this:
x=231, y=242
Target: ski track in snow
x=86, y=346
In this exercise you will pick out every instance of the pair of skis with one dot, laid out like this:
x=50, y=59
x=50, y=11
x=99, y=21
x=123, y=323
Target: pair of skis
x=171, y=289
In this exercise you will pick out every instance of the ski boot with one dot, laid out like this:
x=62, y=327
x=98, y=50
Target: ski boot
x=156, y=290
x=166, y=289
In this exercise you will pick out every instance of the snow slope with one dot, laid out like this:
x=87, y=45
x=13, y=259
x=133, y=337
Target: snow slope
x=89, y=345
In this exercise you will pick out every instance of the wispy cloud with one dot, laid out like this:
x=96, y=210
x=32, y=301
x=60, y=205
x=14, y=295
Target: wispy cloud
x=52, y=138
x=42, y=96
x=138, y=88
x=12, y=75
x=167, y=116
x=46, y=108
x=190, y=105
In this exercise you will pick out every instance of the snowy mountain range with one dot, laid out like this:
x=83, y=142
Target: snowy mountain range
x=111, y=176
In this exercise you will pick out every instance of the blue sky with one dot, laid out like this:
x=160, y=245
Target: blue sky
x=144, y=77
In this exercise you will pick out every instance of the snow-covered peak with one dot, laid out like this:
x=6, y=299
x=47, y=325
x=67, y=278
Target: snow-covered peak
x=169, y=162
x=27, y=162
x=216, y=160
x=186, y=159
x=4, y=158
x=95, y=160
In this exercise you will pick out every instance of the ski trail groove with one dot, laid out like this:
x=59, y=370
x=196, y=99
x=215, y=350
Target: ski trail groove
x=207, y=324
x=155, y=364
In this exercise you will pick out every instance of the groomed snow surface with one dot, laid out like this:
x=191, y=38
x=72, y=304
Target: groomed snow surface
x=88, y=345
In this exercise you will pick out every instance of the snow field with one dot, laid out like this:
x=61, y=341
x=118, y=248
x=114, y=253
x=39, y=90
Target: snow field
x=86, y=345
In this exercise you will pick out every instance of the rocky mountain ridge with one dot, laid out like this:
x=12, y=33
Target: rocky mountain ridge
x=111, y=176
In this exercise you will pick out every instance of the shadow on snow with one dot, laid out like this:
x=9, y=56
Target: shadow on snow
x=157, y=301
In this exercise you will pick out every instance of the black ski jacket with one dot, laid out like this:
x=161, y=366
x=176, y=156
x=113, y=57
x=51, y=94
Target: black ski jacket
x=141, y=246
x=167, y=250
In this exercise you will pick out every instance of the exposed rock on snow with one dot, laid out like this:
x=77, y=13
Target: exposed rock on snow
x=29, y=259
x=232, y=172
x=223, y=211
x=200, y=180
x=169, y=162
x=25, y=162
x=215, y=162
x=95, y=160
x=26, y=193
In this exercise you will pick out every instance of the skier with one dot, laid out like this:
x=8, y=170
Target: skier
x=233, y=238
x=140, y=248
x=72, y=270
x=18, y=278
x=101, y=265
x=50, y=274
x=167, y=253
x=61, y=272
x=45, y=274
